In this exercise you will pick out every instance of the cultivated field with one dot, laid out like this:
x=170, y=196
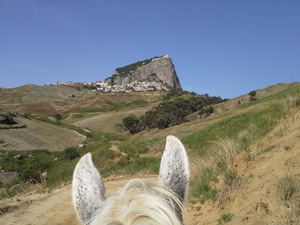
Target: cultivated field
x=39, y=135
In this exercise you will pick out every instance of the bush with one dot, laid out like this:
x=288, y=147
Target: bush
x=252, y=95
x=70, y=153
x=34, y=167
x=58, y=116
x=132, y=124
x=163, y=122
x=225, y=218
x=206, y=112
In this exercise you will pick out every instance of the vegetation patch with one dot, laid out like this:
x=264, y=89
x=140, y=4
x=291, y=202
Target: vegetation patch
x=225, y=218
x=244, y=128
x=30, y=165
x=170, y=112
x=77, y=115
x=134, y=146
x=125, y=71
x=133, y=165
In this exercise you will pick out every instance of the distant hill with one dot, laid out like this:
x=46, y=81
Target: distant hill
x=35, y=93
x=60, y=99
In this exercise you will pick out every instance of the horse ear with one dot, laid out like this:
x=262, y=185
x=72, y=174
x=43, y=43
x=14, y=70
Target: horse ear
x=174, y=167
x=87, y=189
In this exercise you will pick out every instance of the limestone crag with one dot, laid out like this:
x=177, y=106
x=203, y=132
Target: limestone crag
x=155, y=74
x=159, y=69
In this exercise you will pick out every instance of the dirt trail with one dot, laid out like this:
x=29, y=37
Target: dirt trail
x=48, y=208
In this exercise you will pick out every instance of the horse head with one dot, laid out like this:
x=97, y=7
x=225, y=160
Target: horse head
x=139, y=202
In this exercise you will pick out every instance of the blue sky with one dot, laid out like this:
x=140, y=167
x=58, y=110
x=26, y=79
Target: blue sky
x=223, y=48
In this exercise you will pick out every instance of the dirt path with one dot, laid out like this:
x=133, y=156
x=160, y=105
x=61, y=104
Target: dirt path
x=47, y=208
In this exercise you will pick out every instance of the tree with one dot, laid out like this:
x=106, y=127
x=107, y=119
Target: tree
x=132, y=124
x=58, y=116
x=163, y=121
x=252, y=95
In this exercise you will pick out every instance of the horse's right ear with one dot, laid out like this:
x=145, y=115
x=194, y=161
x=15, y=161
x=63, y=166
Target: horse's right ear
x=174, y=167
x=87, y=189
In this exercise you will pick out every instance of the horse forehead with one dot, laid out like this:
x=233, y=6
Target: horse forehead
x=144, y=222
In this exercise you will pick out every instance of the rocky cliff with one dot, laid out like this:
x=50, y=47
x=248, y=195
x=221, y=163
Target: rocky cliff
x=158, y=69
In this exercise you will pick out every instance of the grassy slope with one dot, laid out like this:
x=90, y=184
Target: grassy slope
x=140, y=153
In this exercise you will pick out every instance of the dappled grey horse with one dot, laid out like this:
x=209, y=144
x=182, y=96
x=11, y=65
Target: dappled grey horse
x=139, y=202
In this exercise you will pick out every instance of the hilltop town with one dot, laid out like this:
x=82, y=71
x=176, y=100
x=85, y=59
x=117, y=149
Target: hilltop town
x=105, y=87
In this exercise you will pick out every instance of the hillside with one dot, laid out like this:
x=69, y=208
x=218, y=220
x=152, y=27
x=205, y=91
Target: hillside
x=51, y=100
x=34, y=93
x=244, y=157
x=267, y=188
x=264, y=188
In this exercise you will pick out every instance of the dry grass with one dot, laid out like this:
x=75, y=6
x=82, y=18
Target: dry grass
x=289, y=192
x=288, y=187
x=221, y=155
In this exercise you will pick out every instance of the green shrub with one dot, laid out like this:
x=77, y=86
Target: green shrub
x=58, y=116
x=200, y=185
x=163, y=121
x=225, y=218
x=132, y=164
x=206, y=112
x=134, y=146
x=132, y=124
x=70, y=153
x=230, y=176
x=32, y=168
x=252, y=95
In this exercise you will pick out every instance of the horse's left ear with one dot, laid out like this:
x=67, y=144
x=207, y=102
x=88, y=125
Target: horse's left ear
x=174, y=167
x=87, y=189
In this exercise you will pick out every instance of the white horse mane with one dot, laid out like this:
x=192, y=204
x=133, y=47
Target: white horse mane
x=139, y=202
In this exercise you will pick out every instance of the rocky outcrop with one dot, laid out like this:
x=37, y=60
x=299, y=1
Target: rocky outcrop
x=159, y=69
